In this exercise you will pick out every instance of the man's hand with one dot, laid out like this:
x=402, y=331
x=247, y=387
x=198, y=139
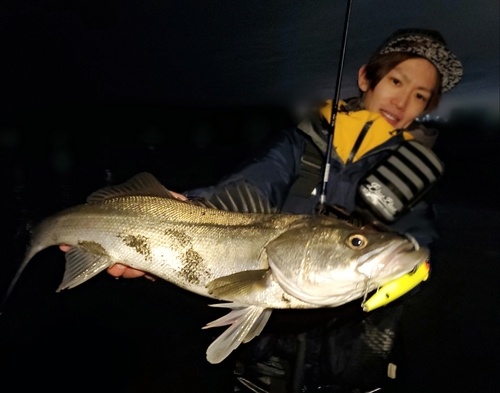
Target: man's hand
x=119, y=270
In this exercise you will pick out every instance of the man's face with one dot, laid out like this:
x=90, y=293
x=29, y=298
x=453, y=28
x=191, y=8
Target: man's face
x=402, y=94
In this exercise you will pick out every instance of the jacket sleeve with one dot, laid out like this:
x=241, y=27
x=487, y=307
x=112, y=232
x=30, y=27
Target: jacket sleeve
x=272, y=171
x=419, y=223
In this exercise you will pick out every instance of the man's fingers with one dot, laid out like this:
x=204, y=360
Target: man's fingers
x=119, y=270
x=178, y=196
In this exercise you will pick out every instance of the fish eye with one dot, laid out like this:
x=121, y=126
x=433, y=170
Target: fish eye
x=357, y=241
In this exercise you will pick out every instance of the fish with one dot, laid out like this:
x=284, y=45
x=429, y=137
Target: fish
x=235, y=249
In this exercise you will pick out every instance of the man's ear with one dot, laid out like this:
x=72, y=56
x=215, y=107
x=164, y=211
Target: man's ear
x=363, y=83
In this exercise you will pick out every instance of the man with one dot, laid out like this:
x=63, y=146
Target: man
x=404, y=79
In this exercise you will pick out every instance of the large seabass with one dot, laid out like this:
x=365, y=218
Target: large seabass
x=256, y=261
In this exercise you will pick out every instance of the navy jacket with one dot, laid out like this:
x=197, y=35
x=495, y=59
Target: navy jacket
x=277, y=168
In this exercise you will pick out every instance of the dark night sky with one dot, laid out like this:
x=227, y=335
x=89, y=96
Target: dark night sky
x=95, y=91
x=223, y=53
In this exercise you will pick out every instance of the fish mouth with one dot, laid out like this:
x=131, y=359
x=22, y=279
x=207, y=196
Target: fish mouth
x=393, y=261
x=413, y=241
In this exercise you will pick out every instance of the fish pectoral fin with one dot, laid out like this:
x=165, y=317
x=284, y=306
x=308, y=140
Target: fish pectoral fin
x=82, y=265
x=241, y=287
x=246, y=323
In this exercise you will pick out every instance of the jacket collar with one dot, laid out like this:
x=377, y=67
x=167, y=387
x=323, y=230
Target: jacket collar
x=315, y=126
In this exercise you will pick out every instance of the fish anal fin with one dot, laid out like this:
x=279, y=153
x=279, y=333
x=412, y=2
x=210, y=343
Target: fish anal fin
x=142, y=184
x=82, y=265
x=246, y=323
x=240, y=287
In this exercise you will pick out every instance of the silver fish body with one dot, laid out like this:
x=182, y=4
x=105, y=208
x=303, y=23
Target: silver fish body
x=256, y=261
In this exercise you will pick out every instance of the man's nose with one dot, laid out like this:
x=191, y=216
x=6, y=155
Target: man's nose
x=401, y=100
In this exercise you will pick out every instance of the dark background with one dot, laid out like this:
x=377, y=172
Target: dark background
x=95, y=92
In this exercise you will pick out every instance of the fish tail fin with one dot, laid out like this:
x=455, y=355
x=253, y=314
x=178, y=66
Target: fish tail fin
x=246, y=323
x=14, y=280
x=80, y=266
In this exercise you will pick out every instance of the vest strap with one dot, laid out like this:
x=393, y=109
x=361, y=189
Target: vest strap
x=358, y=142
x=311, y=164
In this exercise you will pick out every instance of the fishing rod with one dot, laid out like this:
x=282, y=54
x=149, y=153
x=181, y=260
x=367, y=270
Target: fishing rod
x=321, y=208
x=396, y=288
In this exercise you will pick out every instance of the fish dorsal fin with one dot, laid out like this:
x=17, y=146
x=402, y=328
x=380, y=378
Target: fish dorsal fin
x=142, y=184
x=240, y=196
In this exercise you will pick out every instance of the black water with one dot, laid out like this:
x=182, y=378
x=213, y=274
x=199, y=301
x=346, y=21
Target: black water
x=141, y=336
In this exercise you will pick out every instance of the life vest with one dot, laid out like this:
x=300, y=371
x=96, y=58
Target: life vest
x=392, y=186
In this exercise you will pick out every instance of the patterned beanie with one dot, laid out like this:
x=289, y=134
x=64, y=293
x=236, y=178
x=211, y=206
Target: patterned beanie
x=430, y=45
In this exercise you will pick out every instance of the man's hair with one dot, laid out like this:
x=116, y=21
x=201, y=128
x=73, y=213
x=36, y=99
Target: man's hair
x=380, y=65
x=430, y=45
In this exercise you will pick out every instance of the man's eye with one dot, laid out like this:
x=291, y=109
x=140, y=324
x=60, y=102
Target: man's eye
x=396, y=81
x=421, y=97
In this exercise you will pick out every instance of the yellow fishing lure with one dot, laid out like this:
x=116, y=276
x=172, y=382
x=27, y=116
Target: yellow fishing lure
x=397, y=288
